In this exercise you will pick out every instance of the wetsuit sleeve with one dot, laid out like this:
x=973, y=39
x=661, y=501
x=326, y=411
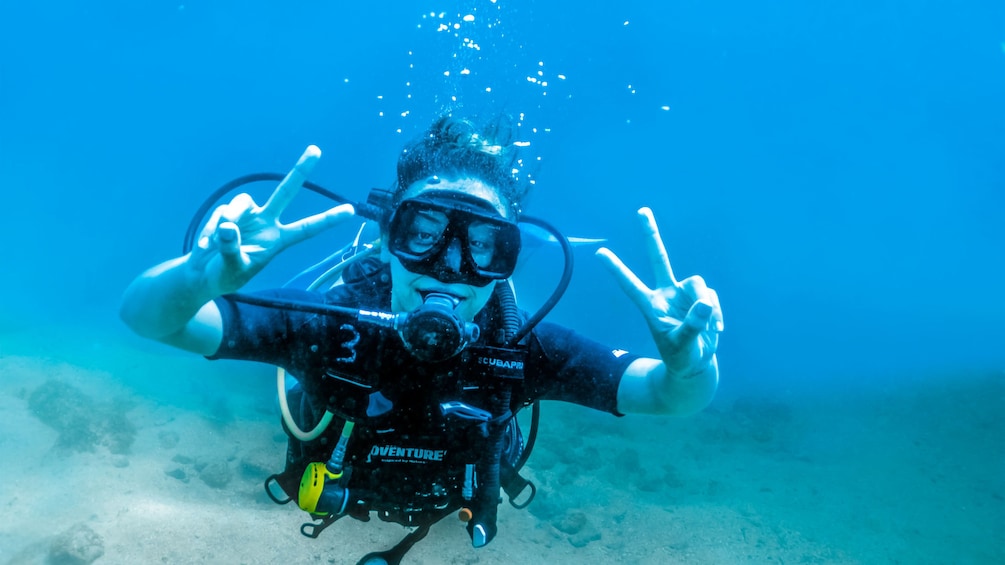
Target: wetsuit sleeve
x=267, y=334
x=565, y=365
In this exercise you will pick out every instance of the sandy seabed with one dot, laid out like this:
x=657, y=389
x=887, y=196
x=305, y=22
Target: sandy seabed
x=119, y=452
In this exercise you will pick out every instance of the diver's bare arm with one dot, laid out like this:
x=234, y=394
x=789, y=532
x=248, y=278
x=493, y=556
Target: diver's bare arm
x=168, y=303
x=685, y=319
x=647, y=389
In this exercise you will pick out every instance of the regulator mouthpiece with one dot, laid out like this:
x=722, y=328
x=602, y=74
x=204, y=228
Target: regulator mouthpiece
x=434, y=332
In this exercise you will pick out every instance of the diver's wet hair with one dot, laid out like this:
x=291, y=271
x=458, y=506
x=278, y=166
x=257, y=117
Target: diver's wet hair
x=455, y=146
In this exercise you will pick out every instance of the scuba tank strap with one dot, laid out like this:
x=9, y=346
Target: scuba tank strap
x=514, y=484
x=313, y=529
x=393, y=556
x=286, y=482
x=512, y=481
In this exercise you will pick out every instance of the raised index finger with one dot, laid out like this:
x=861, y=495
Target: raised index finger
x=658, y=257
x=290, y=186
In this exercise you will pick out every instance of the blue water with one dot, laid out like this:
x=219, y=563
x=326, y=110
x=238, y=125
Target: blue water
x=834, y=170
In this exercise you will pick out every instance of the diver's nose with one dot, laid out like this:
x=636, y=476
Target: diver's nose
x=452, y=258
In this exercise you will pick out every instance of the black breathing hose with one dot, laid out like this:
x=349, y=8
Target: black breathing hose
x=563, y=283
x=363, y=209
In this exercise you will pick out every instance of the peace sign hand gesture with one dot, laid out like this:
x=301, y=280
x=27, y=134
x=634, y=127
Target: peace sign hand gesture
x=684, y=316
x=242, y=237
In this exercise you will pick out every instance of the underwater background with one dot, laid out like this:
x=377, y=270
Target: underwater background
x=835, y=170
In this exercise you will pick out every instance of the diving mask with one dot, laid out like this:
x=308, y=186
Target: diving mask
x=453, y=237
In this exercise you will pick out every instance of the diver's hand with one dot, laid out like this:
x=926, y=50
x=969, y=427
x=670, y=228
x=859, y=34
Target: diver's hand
x=242, y=237
x=684, y=316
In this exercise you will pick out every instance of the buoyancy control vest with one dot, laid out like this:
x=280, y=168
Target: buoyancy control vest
x=427, y=438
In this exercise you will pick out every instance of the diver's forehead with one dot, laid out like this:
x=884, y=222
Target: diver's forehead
x=468, y=185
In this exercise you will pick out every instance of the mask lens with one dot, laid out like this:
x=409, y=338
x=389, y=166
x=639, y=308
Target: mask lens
x=424, y=230
x=482, y=241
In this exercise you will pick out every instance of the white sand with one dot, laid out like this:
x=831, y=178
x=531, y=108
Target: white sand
x=906, y=475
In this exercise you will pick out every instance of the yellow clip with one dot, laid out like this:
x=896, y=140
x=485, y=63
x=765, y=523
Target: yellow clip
x=312, y=484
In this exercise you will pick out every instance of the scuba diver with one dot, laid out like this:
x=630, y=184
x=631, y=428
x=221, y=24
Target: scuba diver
x=410, y=368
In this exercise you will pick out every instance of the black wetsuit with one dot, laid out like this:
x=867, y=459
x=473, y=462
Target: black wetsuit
x=405, y=454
